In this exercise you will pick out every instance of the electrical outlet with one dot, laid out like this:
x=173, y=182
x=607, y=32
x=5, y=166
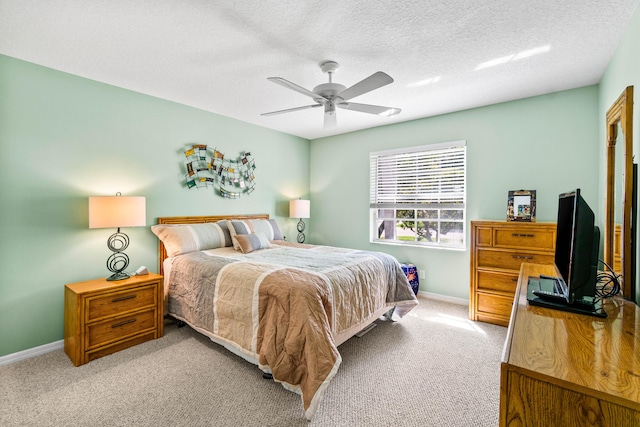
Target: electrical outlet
x=422, y=274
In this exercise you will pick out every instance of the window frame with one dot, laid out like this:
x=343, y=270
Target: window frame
x=398, y=194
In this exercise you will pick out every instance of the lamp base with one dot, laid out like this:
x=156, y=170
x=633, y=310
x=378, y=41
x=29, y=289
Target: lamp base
x=301, y=227
x=117, y=276
x=118, y=260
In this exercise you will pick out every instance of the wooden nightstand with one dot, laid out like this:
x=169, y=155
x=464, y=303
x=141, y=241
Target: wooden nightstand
x=102, y=317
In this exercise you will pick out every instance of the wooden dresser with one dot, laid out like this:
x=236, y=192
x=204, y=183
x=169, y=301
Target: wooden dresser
x=102, y=317
x=497, y=250
x=567, y=369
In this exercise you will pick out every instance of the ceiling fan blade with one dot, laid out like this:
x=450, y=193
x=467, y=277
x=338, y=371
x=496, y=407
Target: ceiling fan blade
x=371, y=109
x=299, y=89
x=288, y=110
x=374, y=81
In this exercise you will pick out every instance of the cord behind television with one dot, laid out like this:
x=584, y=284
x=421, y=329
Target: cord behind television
x=607, y=282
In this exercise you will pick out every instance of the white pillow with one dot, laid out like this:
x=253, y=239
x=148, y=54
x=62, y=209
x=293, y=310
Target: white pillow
x=184, y=238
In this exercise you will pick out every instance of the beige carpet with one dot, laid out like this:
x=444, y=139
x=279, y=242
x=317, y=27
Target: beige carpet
x=432, y=368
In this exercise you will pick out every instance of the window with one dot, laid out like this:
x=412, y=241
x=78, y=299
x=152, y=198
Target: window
x=418, y=194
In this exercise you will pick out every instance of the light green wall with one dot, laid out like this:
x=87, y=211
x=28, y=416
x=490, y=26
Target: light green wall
x=546, y=143
x=65, y=138
x=623, y=70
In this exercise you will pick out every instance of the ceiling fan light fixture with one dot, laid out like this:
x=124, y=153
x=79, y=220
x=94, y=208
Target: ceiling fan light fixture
x=330, y=108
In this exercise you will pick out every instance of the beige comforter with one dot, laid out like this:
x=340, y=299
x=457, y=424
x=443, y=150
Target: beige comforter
x=282, y=307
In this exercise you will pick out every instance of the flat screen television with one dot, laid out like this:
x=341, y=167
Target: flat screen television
x=577, y=246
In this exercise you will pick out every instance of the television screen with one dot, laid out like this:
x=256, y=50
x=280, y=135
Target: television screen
x=577, y=244
x=564, y=234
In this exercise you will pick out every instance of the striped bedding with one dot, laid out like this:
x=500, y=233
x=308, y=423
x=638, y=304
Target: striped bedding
x=287, y=308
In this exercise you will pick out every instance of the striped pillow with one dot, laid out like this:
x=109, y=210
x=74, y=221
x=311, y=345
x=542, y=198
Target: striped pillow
x=180, y=239
x=251, y=242
x=268, y=227
x=237, y=227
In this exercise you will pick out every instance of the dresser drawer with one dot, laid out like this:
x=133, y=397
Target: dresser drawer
x=509, y=260
x=484, y=236
x=116, y=303
x=495, y=281
x=532, y=239
x=115, y=329
x=495, y=304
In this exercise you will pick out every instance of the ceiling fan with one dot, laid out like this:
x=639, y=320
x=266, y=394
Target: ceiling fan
x=331, y=95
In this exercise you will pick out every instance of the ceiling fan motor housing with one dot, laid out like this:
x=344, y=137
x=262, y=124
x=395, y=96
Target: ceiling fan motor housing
x=329, y=90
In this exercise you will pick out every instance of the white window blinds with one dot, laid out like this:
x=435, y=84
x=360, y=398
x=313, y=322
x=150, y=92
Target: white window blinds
x=430, y=176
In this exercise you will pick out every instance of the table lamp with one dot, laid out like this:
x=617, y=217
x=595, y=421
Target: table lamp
x=115, y=212
x=300, y=209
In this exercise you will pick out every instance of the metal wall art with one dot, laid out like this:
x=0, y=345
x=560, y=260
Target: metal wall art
x=521, y=205
x=208, y=167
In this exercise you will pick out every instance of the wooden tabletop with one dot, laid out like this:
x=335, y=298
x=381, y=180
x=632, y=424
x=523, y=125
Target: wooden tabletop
x=577, y=351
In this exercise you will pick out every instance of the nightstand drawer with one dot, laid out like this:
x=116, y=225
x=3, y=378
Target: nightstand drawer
x=115, y=303
x=119, y=328
x=119, y=345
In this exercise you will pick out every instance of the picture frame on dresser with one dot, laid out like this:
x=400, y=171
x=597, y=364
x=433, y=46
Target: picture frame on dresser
x=521, y=205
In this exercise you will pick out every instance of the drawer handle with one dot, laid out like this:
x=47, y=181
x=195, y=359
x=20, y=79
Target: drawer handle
x=522, y=235
x=527, y=257
x=125, y=322
x=118, y=299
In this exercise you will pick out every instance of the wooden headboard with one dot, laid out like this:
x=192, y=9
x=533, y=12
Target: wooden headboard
x=162, y=252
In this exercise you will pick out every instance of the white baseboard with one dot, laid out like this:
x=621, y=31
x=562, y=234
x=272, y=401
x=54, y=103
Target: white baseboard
x=445, y=298
x=31, y=352
x=58, y=345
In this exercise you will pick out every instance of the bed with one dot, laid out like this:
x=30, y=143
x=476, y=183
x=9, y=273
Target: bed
x=283, y=306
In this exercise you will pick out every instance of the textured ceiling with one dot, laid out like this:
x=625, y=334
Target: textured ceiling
x=217, y=55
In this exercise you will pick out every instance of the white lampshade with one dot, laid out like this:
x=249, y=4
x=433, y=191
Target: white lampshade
x=299, y=208
x=117, y=211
